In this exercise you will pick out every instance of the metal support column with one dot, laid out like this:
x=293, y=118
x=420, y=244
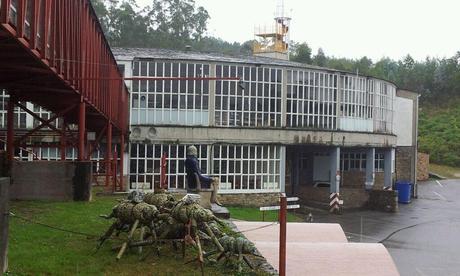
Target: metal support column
x=122, y=160
x=388, y=168
x=10, y=130
x=114, y=170
x=62, y=147
x=335, y=170
x=81, y=130
x=282, y=246
x=370, y=168
x=108, y=155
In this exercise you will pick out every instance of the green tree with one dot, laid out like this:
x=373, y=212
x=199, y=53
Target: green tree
x=127, y=26
x=320, y=58
x=102, y=13
x=300, y=52
x=180, y=19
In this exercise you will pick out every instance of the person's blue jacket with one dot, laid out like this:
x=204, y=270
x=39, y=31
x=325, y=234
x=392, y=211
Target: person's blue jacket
x=192, y=167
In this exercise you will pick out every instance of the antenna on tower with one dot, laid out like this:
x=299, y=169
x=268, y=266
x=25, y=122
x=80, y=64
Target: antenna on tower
x=273, y=41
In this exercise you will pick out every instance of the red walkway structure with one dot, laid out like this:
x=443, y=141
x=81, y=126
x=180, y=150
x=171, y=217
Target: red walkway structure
x=54, y=53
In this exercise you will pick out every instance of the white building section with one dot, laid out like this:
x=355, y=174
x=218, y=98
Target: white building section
x=404, y=115
x=243, y=129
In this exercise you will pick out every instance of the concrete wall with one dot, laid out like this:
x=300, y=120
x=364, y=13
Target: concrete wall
x=423, y=160
x=249, y=200
x=356, y=179
x=51, y=180
x=403, y=123
x=405, y=164
x=352, y=197
x=353, y=179
x=414, y=145
x=213, y=135
x=383, y=200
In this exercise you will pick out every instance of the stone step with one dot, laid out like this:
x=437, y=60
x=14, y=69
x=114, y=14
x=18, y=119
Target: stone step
x=220, y=211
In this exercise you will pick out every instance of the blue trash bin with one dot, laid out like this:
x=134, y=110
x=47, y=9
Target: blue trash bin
x=404, y=189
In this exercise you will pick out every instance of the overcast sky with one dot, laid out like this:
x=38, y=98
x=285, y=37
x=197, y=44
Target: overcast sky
x=348, y=28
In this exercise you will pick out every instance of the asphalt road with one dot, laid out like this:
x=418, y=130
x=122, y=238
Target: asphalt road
x=423, y=237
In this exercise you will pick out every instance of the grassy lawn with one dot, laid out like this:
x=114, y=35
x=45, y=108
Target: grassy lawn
x=253, y=214
x=446, y=171
x=38, y=250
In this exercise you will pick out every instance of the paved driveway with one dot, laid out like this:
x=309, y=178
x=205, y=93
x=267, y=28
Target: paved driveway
x=319, y=249
x=423, y=238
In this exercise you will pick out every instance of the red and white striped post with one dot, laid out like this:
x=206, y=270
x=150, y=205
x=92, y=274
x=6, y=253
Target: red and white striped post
x=282, y=246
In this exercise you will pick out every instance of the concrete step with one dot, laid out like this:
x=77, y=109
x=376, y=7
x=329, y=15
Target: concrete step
x=220, y=211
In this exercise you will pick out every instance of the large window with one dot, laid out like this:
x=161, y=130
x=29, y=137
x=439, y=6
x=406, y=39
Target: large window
x=384, y=97
x=353, y=161
x=356, y=101
x=311, y=99
x=258, y=104
x=379, y=162
x=145, y=164
x=247, y=168
x=356, y=161
x=20, y=115
x=175, y=101
x=241, y=168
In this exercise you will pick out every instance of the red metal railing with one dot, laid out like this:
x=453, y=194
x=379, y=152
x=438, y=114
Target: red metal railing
x=66, y=38
x=54, y=53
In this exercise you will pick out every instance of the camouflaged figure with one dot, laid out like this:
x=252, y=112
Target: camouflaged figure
x=129, y=215
x=237, y=247
x=160, y=200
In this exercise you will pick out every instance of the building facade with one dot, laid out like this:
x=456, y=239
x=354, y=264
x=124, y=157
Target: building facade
x=266, y=126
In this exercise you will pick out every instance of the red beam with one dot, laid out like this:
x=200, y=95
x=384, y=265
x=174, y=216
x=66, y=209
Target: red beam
x=45, y=123
x=63, y=142
x=108, y=154
x=10, y=131
x=21, y=10
x=282, y=246
x=122, y=161
x=5, y=11
x=81, y=130
x=163, y=78
x=72, y=50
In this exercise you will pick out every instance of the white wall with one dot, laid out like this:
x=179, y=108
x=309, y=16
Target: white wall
x=403, y=121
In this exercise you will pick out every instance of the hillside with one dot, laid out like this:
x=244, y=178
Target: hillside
x=439, y=133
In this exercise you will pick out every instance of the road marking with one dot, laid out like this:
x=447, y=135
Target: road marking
x=439, y=183
x=440, y=196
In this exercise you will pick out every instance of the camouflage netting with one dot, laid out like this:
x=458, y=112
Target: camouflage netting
x=160, y=200
x=167, y=219
x=184, y=212
x=238, y=245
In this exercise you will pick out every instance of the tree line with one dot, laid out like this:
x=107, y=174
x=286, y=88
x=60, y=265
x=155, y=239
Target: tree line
x=169, y=24
x=177, y=24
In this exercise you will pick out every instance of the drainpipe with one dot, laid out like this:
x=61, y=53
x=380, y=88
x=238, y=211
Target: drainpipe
x=415, y=144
